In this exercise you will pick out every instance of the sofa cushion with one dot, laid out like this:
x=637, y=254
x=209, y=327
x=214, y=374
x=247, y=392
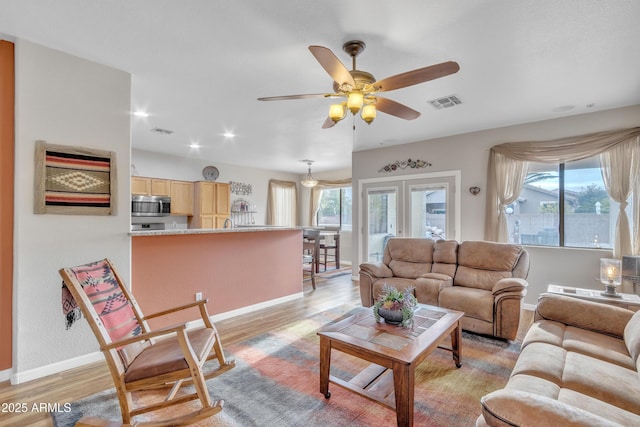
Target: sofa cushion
x=409, y=258
x=632, y=336
x=521, y=408
x=601, y=380
x=445, y=257
x=489, y=255
x=541, y=360
x=480, y=279
x=599, y=346
x=476, y=303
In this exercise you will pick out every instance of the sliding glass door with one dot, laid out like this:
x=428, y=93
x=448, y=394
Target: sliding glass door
x=382, y=206
x=418, y=207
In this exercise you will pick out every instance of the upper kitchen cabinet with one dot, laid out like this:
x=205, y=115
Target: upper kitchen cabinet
x=140, y=186
x=181, y=192
x=181, y=198
x=150, y=186
x=212, y=204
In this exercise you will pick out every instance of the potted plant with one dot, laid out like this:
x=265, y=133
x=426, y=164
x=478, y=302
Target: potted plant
x=394, y=306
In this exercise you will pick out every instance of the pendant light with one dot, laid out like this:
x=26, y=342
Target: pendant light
x=309, y=180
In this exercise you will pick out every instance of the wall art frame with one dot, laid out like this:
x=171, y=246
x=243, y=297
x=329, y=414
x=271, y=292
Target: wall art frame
x=74, y=180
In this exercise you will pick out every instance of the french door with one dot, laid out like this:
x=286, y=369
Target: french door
x=423, y=206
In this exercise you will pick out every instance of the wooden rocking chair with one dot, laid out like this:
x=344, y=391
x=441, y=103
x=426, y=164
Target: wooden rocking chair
x=139, y=358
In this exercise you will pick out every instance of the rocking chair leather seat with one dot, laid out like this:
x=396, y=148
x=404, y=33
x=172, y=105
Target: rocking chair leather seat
x=166, y=356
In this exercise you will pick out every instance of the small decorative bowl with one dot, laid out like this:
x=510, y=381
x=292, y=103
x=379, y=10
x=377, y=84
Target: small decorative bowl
x=392, y=317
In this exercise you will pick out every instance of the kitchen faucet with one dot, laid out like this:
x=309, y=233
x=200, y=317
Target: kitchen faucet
x=228, y=222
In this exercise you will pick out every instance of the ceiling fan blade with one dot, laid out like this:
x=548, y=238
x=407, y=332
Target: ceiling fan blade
x=328, y=123
x=396, y=109
x=414, y=77
x=332, y=65
x=305, y=96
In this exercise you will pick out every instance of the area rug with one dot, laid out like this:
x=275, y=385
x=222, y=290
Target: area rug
x=276, y=383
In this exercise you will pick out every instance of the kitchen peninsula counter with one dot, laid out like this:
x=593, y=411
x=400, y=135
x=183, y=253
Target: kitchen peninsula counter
x=239, y=229
x=238, y=269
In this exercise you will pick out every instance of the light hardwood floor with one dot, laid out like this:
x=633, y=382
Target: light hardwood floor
x=72, y=385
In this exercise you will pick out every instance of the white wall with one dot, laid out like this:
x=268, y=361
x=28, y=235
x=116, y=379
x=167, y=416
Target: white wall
x=70, y=101
x=159, y=165
x=470, y=153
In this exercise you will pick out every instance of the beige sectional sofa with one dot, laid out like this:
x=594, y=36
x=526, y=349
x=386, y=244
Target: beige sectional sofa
x=578, y=367
x=485, y=280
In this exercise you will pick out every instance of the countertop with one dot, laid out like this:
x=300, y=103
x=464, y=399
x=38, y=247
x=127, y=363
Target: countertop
x=242, y=229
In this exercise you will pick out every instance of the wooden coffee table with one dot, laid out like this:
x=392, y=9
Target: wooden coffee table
x=394, y=351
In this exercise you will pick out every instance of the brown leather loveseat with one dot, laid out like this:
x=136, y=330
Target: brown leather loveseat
x=485, y=280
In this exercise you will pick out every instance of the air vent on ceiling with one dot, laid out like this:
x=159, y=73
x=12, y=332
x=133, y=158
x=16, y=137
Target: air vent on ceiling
x=445, y=102
x=162, y=131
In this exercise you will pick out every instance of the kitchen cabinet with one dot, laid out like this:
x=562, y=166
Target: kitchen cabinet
x=181, y=192
x=160, y=187
x=181, y=198
x=140, y=186
x=211, y=204
x=150, y=186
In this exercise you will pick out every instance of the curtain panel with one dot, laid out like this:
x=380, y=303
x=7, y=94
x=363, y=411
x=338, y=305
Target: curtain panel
x=282, y=203
x=316, y=194
x=505, y=176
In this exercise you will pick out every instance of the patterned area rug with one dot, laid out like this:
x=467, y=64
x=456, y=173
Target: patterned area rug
x=276, y=383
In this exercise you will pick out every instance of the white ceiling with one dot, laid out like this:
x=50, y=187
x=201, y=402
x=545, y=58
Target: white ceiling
x=199, y=65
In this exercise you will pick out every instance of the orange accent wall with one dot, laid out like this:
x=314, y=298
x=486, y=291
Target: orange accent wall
x=233, y=270
x=7, y=103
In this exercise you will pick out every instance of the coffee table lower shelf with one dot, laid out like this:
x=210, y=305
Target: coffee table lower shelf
x=375, y=382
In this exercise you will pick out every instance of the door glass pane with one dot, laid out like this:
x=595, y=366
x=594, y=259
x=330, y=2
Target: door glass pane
x=428, y=214
x=381, y=220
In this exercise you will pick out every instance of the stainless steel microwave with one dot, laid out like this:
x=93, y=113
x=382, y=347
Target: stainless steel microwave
x=150, y=206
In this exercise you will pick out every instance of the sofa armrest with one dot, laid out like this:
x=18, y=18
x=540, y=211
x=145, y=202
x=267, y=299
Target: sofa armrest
x=376, y=269
x=510, y=284
x=521, y=408
x=594, y=316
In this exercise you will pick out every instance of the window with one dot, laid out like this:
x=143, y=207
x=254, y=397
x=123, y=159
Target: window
x=281, y=203
x=564, y=205
x=335, y=208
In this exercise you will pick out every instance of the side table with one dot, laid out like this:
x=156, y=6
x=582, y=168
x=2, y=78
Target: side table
x=628, y=301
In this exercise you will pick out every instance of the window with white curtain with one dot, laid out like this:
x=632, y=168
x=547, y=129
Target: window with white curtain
x=564, y=204
x=282, y=203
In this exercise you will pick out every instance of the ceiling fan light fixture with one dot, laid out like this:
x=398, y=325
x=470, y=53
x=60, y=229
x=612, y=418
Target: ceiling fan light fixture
x=355, y=101
x=368, y=113
x=337, y=112
x=309, y=181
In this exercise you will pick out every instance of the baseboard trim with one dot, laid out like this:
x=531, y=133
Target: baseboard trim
x=76, y=362
x=54, y=368
x=5, y=375
x=530, y=307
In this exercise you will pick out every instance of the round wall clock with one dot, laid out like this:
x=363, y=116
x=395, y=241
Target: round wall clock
x=210, y=173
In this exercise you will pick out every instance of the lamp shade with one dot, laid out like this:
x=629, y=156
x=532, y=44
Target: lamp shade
x=309, y=180
x=355, y=101
x=336, y=112
x=610, y=271
x=368, y=113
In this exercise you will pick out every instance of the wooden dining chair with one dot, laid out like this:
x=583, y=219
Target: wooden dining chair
x=329, y=247
x=140, y=358
x=311, y=251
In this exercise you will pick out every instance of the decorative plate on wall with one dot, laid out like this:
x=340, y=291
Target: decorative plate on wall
x=210, y=173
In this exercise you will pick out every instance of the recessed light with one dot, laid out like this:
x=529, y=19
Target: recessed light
x=228, y=135
x=141, y=114
x=194, y=145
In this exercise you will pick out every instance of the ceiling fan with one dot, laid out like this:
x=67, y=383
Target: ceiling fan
x=359, y=89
